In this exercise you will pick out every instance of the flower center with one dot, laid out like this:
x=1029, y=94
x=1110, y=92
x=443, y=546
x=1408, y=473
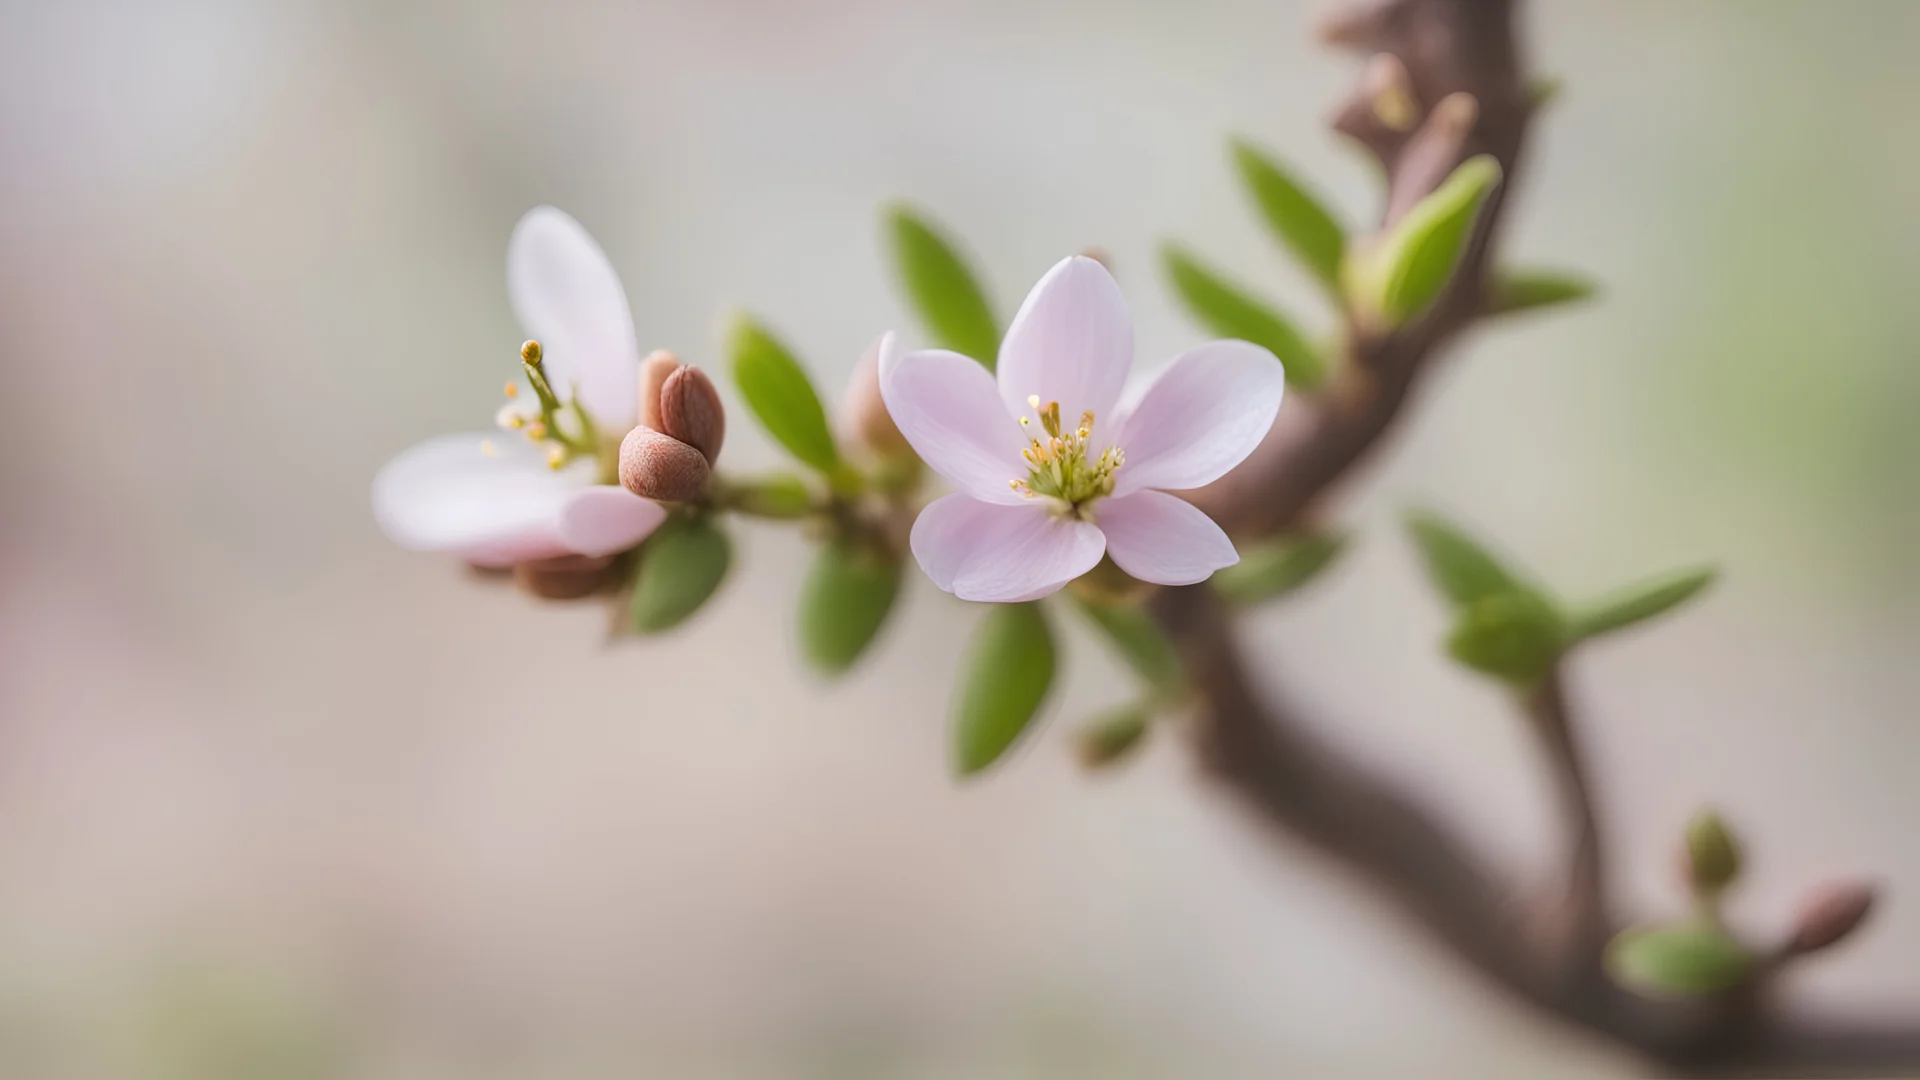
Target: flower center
x=562, y=427
x=1060, y=470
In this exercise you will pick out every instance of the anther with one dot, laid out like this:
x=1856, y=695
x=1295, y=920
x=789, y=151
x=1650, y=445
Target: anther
x=530, y=353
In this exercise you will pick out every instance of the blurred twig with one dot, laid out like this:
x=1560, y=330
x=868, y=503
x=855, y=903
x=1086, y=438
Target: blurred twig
x=1428, y=52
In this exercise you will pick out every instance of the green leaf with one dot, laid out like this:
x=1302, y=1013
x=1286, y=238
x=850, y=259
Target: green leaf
x=943, y=290
x=1403, y=275
x=1276, y=568
x=1640, y=602
x=1516, y=636
x=1713, y=853
x=1460, y=567
x=1113, y=735
x=1139, y=641
x=844, y=603
x=1003, y=682
x=1679, y=960
x=1528, y=290
x=681, y=565
x=782, y=496
x=781, y=396
x=1226, y=309
x=1301, y=221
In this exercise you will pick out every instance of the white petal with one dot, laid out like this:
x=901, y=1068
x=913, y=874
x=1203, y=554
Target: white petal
x=1163, y=539
x=1201, y=416
x=1071, y=342
x=1001, y=554
x=569, y=299
x=946, y=407
x=606, y=519
x=494, y=508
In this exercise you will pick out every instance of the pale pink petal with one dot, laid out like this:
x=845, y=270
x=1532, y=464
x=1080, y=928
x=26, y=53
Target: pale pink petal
x=491, y=498
x=1200, y=417
x=568, y=298
x=606, y=519
x=1163, y=539
x=1001, y=554
x=1071, y=342
x=946, y=407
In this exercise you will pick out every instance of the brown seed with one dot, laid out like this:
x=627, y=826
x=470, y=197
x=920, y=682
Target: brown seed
x=653, y=375
x=1830, y=913
x=564, y=577
x=691, y=411
x=658, y=466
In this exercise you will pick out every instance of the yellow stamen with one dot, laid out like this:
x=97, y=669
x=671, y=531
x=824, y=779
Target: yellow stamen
x=530, y=353
x=513, y=389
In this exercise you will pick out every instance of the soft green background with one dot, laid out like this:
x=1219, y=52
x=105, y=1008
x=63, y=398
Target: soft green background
x=271, y=787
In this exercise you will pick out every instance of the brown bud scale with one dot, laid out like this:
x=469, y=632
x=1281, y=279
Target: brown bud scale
x=654, y=465
x=691, y=411
x=653, y=375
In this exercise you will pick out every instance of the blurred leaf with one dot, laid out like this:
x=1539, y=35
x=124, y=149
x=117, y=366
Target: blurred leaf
x=844, y=603
x=1459, y=566
x=778, y=391
x=1544, y=90
x=681, y=566
x=1403, y=275
x=1276, y=568
x=1003, y=682
x=1227, y=310
x=1640, y=602
x=942, y=289
x=1713, y=853
x=1515, y=636
x=1139, y=641
x=1113, y=735
x=1679, y=960
x=1526, y=290
x=779, y=495
x=1300, y=220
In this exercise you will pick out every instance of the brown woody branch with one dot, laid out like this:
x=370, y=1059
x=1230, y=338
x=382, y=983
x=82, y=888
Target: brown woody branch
x=1547, y=956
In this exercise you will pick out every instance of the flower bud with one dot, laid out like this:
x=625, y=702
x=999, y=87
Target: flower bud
x=864, y=412
x=691, y=411
x=1712, y=854
x=1829, y=914
x=565, y=577
x=653, y=376
x=658, y=466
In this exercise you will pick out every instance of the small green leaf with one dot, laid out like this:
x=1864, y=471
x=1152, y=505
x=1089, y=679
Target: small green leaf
x=681, y=565
x=1405, y=272
x=1516, y=636
x=1226, y=309
x=1679, y=960
x=844, y=603
x=1003, y=682
x=1113, y=735
x=1713, y=854
x=1544, y=90
x=1300, y=220
x=943, y=290
x=1640, y=602
x=1276, y=568
x=1139, y=641
x=1529, y=290
x=782, y=496
x=1460, y=567
x=778, y=391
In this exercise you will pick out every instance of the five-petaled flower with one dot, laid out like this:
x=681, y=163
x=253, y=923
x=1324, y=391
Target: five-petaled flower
x=1056, y=466
x=500, y=499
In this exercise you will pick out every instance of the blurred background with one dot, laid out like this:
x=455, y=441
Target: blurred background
x=280, y=800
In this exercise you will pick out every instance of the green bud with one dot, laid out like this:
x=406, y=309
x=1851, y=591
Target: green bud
x=1462, y=568
x=1230, y=311
x=777, y=390
x=1003, y=682
x=1276, y=568
x=844, y=603
x=1397, y=278
x=681, y=566
x=1515, y=636
x=1641, y=601
x=1139, y=641
x=1679, y=960
x=1113, y=735
x=1298, y=219
x=942, y=289
x=1713, y=854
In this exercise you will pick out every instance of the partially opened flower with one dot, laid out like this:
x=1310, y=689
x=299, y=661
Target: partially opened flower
x=1054, y=469
x=542, y=486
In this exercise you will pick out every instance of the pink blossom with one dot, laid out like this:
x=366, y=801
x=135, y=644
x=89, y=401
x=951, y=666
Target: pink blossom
x=1055, y=465
x=542, y=486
